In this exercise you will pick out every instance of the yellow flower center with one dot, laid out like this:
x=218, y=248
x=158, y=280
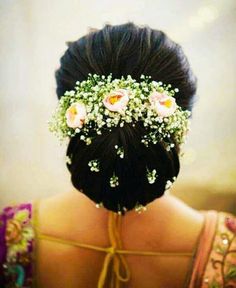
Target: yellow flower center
x=73, y=110
x=167, y=103
x=114, y=99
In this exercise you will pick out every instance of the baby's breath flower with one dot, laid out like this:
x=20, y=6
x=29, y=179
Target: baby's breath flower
x=120, y=151
x=88, y=141
x=151, y=176
x=114, y=180
x=169, y=183
x=94, y=165
x=140, y=208
x=99, y=205
x=68, y=160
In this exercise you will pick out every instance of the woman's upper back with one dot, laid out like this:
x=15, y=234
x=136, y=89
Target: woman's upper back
x=167, y=226
x=147, y=231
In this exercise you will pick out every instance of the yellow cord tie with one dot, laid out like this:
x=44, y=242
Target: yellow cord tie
x=114, y=257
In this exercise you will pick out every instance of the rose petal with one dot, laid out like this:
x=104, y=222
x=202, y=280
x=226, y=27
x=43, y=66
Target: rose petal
x=163, y=104
x=75, y=115
x=116, y=100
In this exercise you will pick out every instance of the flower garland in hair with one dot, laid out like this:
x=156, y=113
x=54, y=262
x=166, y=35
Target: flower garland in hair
x=100, y=103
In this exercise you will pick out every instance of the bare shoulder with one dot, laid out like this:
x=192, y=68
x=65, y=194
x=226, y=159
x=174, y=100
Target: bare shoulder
x=169, y=223
x=70, y=213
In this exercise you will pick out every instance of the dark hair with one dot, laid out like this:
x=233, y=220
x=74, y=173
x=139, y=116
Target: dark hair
x=125, y=49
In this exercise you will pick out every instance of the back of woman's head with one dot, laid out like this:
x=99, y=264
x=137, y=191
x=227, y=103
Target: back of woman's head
x=125, y=50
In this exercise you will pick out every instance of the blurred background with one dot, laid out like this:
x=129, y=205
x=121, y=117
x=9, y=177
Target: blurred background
x=33, y=35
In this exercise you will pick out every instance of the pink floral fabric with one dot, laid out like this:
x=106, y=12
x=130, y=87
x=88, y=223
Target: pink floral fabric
x=215, y=260
x=16, y=246
x=221, y=265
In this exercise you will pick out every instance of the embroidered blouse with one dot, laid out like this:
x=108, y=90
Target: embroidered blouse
x=213, y=262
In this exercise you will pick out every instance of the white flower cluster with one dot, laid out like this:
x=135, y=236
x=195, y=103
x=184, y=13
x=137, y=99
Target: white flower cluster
x=68, y=160
x=94, y=165
x=99, y=103
x=140, y=208
x=169, y=183
x=114, y=181
x=99, y=205
x=120, y=151
x=151, y=176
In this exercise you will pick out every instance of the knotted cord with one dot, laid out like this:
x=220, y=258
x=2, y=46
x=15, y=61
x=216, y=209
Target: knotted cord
x=114, y=256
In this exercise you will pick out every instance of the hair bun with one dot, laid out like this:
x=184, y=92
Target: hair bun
x=144, y=173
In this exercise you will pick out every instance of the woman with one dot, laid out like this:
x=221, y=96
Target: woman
x=123, y=154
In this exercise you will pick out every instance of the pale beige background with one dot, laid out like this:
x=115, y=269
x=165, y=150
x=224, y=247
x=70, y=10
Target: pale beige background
x=33, y=35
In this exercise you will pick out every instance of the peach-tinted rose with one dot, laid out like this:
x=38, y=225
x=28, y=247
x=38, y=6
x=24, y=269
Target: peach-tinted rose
x=116, y=100
x=163, y=104
x=13, y=231
x=75, y=115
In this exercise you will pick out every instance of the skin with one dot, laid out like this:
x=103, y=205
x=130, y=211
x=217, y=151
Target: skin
x=168, y=225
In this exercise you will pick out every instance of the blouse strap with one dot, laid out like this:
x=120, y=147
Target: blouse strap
x=204, y=248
